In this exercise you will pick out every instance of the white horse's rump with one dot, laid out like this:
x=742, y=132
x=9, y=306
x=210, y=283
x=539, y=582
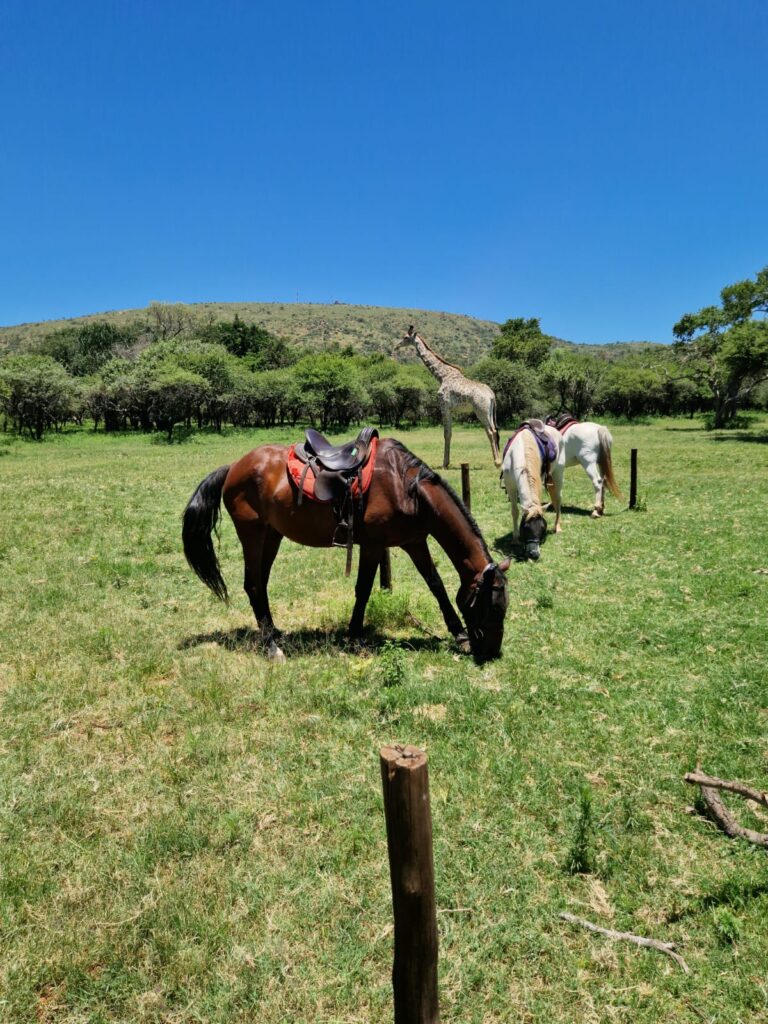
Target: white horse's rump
x=589, y=445
x=521, y=473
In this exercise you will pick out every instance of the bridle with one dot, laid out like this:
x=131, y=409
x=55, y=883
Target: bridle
x=481, y=584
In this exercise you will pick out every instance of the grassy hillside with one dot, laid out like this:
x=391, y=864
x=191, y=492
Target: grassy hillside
x=459, y=338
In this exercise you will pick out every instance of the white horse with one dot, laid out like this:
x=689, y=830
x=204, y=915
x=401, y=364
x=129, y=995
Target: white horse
x=521, y=471
x=589, y=445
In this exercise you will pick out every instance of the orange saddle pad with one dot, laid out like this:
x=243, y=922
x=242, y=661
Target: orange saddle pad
x=296, y=467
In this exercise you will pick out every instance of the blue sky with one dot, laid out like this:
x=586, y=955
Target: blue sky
x=600, y=165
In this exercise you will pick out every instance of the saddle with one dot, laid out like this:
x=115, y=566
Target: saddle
x=547, y=446
x=561, y=422
x=338, y=477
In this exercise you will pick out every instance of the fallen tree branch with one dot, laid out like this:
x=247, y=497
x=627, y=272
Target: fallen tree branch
x=698, y=778
x=719, y=813
x=638, y=940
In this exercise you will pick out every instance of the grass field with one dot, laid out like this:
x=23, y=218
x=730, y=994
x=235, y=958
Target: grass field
x=189, y=834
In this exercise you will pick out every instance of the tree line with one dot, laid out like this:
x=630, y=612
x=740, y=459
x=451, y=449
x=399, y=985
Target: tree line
x=173, y=370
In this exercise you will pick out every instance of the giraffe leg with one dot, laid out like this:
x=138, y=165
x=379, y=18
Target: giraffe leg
x=445, y=407
x=493, y=437
x=487, y=416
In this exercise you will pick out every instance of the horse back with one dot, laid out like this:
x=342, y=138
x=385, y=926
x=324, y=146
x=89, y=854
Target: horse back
x=258, y=491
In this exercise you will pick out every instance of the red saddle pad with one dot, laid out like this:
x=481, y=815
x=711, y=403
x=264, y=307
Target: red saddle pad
x=296, y=467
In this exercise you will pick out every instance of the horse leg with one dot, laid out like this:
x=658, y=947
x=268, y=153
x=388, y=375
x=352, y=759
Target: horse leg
x=510, y=486
x=594, y=474
x=260, y=546
x=421, y=558
x=370, y=558
x=555, y=488
x=515, y=514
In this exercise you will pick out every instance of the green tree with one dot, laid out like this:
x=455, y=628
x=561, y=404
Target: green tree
x=522, y=341
x=725, y=347
x=36, y=393
x=169, y=320
x=261, y=349
x=83, y=349
x=332, y=389
x=515, y=384
x=212, y=363
x=396, y=392
x=572, y=380
x=175, y=395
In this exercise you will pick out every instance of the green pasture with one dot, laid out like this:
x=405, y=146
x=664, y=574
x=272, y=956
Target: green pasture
x=188, y=834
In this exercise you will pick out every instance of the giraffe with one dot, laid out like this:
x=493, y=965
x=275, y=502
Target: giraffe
x=456, y=389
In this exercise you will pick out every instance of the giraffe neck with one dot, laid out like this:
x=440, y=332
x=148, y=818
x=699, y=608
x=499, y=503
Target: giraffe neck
x=433, y=362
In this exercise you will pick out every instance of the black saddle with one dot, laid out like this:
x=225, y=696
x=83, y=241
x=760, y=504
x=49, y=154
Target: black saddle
x=558, y=422
x=336, y=467
x=344, y=457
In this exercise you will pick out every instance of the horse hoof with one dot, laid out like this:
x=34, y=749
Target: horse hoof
x=462, y=642
x=275, y=655
x=596, y=514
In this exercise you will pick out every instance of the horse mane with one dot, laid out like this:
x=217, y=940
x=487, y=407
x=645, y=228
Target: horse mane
x=532, y=470
x=425, y=473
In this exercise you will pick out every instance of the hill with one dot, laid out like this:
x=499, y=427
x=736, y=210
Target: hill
x=368, y=329
x=458, y=338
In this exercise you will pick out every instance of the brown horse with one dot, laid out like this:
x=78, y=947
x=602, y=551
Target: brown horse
x=406, y=503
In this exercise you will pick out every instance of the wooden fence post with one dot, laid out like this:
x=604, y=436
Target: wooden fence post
x=405, y=781
x=633, y=478
x=385, y=571
x=466, y=491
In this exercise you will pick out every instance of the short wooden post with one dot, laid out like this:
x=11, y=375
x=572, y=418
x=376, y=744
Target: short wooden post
x=633, y=478
x=385, y=571
x=466, y=491
x=405, y=780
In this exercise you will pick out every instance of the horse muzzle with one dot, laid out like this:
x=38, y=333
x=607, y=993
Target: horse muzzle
x=485, y=645
x=533, y=550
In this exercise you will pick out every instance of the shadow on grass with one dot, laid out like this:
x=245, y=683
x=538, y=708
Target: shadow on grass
x=312, y=641
x=575, y=510
x=511, y=548
x=731, y=894
x=741, y=436
x=514, y=549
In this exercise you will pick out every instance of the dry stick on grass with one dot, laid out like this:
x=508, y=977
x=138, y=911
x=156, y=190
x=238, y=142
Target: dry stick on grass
x=722, y=817
x=639, y=940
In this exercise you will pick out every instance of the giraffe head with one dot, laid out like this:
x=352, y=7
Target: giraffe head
x=409, y=338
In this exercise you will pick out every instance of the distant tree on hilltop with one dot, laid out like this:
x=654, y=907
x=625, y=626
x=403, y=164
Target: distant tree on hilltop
x=84, y=348
x=261, y=349
x=522, y=341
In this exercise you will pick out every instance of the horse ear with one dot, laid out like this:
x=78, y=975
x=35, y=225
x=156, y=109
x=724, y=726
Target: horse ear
x=503, y=566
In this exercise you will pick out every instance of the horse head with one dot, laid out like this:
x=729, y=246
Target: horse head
x=533, y=530
x=484, y=608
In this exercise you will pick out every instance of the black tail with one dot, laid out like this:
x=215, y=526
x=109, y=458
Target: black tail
x=201, y=517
